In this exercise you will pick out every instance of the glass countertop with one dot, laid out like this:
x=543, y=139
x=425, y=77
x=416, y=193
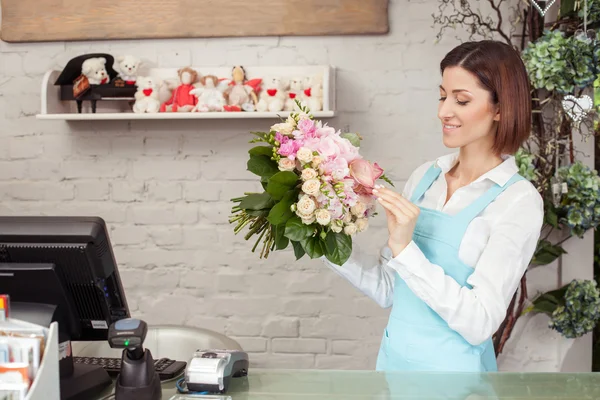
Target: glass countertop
x=285, y=384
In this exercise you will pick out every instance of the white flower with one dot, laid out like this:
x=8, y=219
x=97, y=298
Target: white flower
x=284, y=128
x=285, y=164
x=304, y=154
x=359, y=209
x=316, y=161
x=350, y=229
x=347, y=218
x=308, y=174
x=362, y=224
x=340, y=174
x=337, y=226
x=309, y=220
x=323, y=216
x=311, y=187
x=306, y=206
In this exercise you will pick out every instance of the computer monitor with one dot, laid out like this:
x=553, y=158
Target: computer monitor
x=63, y=269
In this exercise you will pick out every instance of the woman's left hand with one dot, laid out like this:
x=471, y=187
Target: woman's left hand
x=401, y=215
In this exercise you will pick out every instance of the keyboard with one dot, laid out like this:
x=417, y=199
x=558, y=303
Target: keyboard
x=166, y=368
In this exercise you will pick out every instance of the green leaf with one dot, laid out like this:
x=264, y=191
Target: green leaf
x=257, y=201
x=296, y=230
x=261, y=151
x=566, y=7
x=281, y=211
x=545, y=307
x=354, y=138
x=281, y=183
x=262, y=166
x=338, y=247
x=258, y=213
x=298, y=250
x=313, y=246
x=551, y=217
x=281, y=242
x=546, y=253
x=386, y=179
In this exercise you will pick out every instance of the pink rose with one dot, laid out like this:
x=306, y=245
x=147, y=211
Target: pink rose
x=365, y=174
x=289, y=149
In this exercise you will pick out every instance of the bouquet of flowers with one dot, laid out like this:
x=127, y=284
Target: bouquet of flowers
x=317, y=189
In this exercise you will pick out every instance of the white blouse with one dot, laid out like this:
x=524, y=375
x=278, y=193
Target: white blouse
x=499, y=244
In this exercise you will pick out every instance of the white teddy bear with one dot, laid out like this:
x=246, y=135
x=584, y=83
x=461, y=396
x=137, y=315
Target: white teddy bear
x=209, y=94
x=293, y=94
x=147, y=95
x=127, y=68
x=272, y=97
x=312, y=95
x=95, y=70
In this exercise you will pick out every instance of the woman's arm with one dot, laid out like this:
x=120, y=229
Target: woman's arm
x=478, y=312
x=370, y=274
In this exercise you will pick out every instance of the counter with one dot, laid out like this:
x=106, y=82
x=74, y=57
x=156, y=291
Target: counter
x=281, y=384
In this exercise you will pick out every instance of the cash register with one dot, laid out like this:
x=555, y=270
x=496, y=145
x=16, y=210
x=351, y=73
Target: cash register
x=63, y=269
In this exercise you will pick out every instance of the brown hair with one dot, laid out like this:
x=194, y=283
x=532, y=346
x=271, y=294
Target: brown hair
x=501, y=71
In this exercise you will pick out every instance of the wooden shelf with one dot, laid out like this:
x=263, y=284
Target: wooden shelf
x=52, y=108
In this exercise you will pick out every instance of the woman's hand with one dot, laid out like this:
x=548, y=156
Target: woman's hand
x=401, y=218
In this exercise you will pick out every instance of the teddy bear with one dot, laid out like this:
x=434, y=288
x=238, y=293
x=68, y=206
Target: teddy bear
x=147, y=95
x=312, y=93
x=126, y=68
x=94, y=70
x=210, y=94
x=272, y=97
x=181, y=100
x=293, y=94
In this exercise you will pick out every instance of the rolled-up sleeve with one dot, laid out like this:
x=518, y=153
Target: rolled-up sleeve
x=477, y=312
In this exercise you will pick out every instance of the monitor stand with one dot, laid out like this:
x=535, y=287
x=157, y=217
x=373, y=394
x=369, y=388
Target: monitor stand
x=77, y=381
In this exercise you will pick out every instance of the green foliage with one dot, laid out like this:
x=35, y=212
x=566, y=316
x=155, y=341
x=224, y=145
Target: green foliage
x=524, y=161
x=580, y=206
x=561, y=63
x=593, y=11
x=574, y=309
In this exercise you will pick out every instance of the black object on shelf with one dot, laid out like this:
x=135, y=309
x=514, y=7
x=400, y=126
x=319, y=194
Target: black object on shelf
x=116, y=88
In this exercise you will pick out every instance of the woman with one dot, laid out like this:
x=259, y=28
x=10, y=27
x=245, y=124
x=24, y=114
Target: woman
x=465, y=228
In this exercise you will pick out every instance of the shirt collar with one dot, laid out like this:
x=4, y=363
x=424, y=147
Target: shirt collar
x=499, y=175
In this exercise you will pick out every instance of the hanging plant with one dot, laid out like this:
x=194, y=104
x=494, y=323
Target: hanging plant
x=580, y=206
x=574, y=309
x=559, y=63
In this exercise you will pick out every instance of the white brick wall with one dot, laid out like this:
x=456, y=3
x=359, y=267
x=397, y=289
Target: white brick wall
x=164, y=186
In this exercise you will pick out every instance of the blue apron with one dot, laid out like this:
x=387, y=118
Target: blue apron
x=416, y=338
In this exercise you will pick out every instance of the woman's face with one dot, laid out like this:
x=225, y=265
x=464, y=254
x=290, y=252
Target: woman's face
x=466, y=110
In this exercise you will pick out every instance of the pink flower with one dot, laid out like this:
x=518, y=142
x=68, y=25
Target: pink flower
x=307, y=126
x=328, y=148
x=312, y=143
x=337, y=168
x=281, y=138
x=347, y=149
x=325, y=131
x=365, y=175
x=336, y=208
x=289, y=149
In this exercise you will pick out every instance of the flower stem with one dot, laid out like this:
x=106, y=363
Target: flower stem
x=258, y=240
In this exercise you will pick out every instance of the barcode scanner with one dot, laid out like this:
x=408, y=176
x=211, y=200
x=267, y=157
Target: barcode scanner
x=138, y=378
